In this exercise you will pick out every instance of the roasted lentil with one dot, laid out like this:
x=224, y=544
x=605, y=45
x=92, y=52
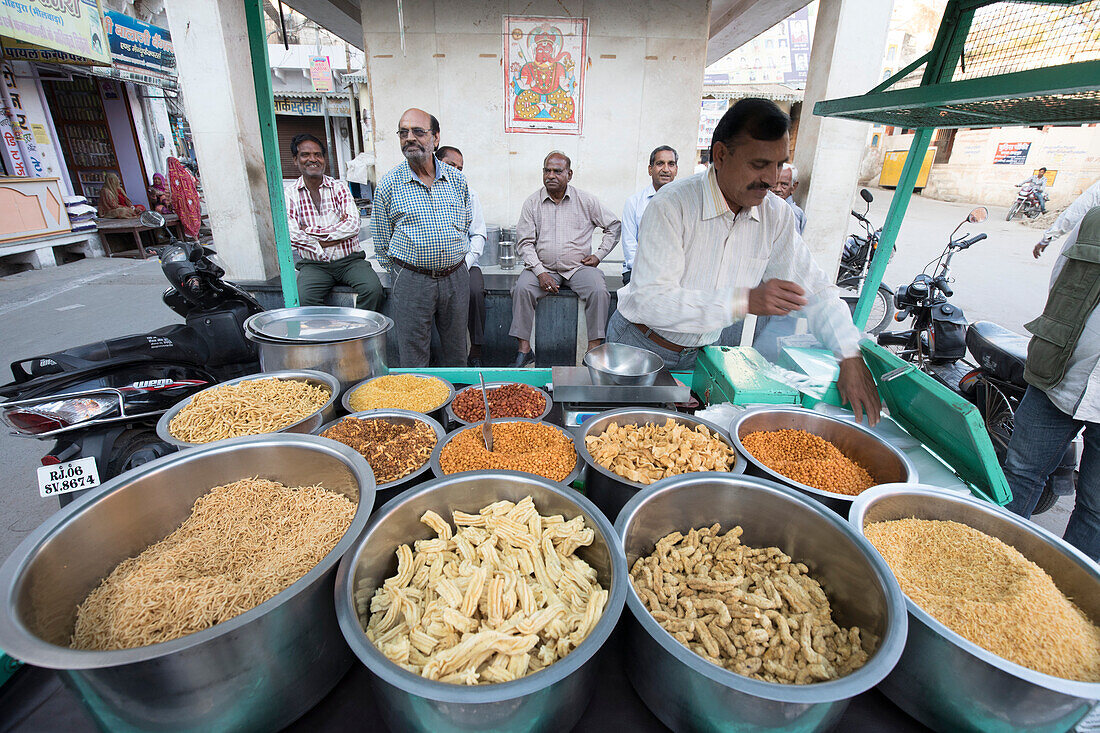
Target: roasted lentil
x=808, y=459
x=400, y=391
x=517, y=446
x=393, y=450
x=509, y=400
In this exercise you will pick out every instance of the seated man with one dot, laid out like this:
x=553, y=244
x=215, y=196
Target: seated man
x=554, y=241
x=324, y=231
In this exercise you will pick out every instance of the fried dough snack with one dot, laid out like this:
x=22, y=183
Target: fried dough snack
x=651, y=452
x=751, y=611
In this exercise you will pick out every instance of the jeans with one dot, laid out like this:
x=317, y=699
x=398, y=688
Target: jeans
x=622, y=331
x=1040, y=437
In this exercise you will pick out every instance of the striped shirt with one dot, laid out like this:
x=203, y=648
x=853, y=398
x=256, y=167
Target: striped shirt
x=421, y=226
x=697, y=261
x=325, y=235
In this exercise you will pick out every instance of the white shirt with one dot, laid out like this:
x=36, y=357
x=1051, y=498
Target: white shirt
x=1078, y=394
x=1069, y=218
x=632, y=220
x=476, y=234
x=692, y=278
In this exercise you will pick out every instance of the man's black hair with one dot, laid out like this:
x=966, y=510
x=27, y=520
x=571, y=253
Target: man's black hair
x=661, y=149
x=559, y=154
x=434, y=124
x=441, y=151
x=760, y=119
x=301, y=138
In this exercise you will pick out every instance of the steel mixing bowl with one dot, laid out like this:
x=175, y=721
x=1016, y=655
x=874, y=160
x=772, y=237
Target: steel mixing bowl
x=611, y=363
x=257, y=671
x=305, y=425
x=609, y=490
x=436, y=413
x=389, y=489
x=689, y=693
x=951, y=684
x=437, y=469
x=454, y=419
x=551, y=699
x=884, y=462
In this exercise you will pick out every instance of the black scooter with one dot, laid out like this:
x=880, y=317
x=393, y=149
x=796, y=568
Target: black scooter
x=101, y=401
x=859, y=249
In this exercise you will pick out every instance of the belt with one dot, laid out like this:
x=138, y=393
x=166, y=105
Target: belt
x=656, y=338
x=430, y=273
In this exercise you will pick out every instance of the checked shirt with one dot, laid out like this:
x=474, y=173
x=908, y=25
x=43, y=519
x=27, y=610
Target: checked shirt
x=421, y=226
x=326, y=235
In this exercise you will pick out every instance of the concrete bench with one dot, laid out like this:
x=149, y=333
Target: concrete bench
x=40, y=252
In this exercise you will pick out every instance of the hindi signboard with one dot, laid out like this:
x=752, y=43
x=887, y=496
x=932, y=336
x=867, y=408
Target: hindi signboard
x=1011, y=153
x=39, y=30
x=138, y=46
x=320, y=73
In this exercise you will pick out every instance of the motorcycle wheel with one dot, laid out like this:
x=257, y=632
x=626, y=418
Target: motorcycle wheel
x=131, y=449
x=1047, y=500
x=1012, y=211
x=882, y=308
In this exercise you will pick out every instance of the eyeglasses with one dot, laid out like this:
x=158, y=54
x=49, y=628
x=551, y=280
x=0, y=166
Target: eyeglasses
x=418, y=131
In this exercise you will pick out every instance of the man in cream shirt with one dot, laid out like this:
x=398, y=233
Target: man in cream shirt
x=719, y=246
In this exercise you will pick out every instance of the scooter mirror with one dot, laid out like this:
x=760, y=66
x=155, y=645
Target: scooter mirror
x=978, y=215
x=866, y=195
x=151, y=219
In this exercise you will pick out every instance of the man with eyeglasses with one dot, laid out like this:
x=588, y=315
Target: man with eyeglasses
x=420, y=223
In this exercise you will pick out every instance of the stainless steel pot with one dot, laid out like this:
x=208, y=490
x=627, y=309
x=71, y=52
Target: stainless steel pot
x=305, y=425
x=389, y=489
x=689, y=693
x=552, y=699
x=437, y=414
x=884, y=462
x=258, y=671
x=437, y=469
x=951, y=684
x=348, y=343
x=609, y=490
x=454, y=419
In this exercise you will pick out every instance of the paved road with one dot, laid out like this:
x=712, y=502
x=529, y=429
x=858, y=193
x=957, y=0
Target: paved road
x=48, y=310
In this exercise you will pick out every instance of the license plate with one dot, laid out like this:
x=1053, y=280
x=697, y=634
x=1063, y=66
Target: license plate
x=62, y=478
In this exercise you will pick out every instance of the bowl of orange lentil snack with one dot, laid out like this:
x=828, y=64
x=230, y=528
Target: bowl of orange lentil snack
x=825, y=457
x=519, y=444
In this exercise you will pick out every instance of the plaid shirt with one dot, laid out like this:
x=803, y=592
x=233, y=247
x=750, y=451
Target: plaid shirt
x=326, y=235
x=421, y=226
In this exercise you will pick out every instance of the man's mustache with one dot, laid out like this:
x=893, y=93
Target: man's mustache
x=759, y=187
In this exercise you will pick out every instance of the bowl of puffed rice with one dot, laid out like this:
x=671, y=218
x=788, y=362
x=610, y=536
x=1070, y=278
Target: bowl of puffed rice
x=532, y=582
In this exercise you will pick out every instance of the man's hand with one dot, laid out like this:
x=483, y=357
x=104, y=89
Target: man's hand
x=590, y=261
x=547, y=283
x=857, y=388
x=776, y=298
x=1042, y=245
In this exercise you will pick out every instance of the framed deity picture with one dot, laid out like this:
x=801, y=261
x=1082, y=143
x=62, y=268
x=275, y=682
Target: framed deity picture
x=544, y=66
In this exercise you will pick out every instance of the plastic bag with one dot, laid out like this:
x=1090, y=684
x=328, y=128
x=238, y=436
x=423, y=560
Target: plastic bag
x=361, y=168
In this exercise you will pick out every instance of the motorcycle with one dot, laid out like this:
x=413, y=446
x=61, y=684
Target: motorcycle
x=854, y=260
x=1027, y=202
x=100, y=402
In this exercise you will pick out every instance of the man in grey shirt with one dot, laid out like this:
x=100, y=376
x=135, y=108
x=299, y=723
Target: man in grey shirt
x=554, y=241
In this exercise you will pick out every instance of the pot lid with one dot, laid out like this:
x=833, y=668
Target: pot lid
x=317, y=324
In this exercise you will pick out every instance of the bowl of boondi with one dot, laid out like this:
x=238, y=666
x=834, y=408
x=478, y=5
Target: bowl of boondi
x=195, y=591
x=1003, y=630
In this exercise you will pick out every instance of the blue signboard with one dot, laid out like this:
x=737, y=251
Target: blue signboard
x=138, y=46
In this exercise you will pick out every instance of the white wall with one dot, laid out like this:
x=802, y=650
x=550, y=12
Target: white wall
x=151, y=122
x=642, y=90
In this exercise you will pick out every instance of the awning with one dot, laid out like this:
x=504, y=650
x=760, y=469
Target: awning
x=774, y=92
x=109, y=72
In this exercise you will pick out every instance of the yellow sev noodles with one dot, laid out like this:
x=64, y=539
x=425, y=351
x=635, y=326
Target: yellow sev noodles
x=247, y=408
x=243, y=543
x=403, y=391
x=989, y=593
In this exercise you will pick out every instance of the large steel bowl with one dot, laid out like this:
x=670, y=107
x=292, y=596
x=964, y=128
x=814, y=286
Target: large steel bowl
x=621, y=364
x=551, y=699
x=437, y=469
x=436, y=414
x=258, y=671
x=454, y=419
x=609, y=490
x=951, y=684
x=884, y=462
x=305, y=425
x=689, y=693
x=389, y=489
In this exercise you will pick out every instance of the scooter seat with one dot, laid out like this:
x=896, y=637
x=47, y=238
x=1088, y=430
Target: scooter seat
x=999, y=350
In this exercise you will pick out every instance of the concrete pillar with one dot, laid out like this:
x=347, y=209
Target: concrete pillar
x=215, y=70
x=845, y=61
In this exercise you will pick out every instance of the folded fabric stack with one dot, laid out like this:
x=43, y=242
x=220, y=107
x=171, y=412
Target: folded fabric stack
x=81, y=215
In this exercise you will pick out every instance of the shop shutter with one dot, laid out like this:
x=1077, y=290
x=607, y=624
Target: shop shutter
x=287, y=126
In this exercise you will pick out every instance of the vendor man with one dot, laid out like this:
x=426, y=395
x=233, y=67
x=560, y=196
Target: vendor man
x=719, y=246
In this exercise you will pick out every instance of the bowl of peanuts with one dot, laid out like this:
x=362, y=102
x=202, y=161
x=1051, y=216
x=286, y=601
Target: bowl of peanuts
x=519, y=444
x=506, y=399
x=423, y=393
x=480, y=602
x=630, y=448
x=397, y=444
x=750, y=602
x=825, y=457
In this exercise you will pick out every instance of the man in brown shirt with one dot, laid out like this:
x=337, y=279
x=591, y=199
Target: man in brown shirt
x=554, y=241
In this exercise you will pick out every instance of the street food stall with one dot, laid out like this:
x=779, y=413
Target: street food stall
x=555, y=549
